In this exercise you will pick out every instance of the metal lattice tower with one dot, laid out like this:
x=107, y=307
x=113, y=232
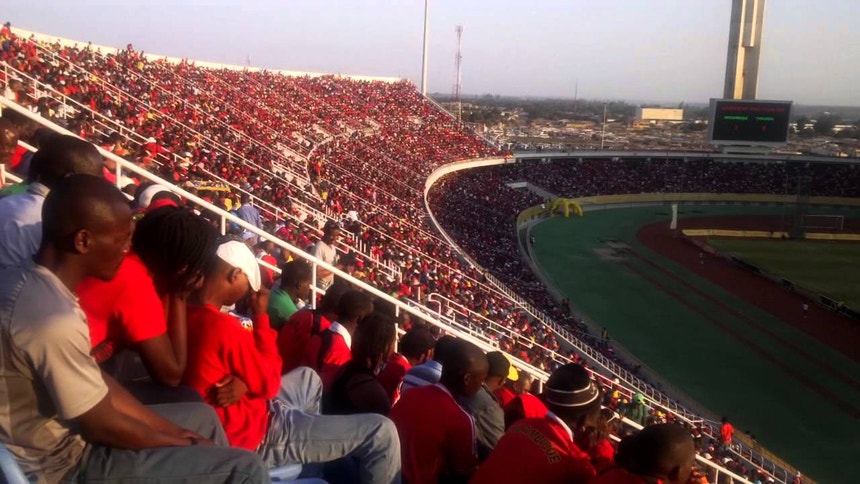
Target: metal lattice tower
x=458, y=79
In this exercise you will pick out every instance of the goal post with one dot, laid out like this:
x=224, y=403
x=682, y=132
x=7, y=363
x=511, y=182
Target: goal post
x=823, y=222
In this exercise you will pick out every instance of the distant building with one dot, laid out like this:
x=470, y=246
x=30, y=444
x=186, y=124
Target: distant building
x=579, y=124
x=660, y=114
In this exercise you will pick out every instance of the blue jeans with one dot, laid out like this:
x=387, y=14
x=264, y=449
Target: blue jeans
x=202, y=464
x=297, y=434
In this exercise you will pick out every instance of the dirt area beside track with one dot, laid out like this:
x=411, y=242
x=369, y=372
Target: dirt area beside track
x=837, y=331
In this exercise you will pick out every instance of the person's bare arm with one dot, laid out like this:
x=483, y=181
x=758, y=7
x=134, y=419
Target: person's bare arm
x=321, y=272
x=120, y=421
x=165, y=356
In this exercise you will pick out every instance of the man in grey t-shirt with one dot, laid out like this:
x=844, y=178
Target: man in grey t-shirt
x=324, y=250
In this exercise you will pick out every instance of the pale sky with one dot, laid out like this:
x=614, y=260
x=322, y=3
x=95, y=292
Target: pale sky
x=655, y=50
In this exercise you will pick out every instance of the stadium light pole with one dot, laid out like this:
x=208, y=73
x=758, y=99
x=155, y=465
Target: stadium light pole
x=426, y=47
x=603, y=132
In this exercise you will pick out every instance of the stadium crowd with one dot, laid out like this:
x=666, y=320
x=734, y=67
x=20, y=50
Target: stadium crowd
x=368, y=148
x=173, y=106
x=101, y=300
x=589, y=177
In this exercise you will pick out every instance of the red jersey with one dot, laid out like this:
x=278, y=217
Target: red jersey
x=536, y=450
x=392, y=375
x=218, y=346
x=295, y=334
x=267, y=276
x=603, y=455
x=504, y=395
x=16, y=158
x=726, y=432
x=123, y=311
x=328, y=352
x=524, y=405
x=437, y=437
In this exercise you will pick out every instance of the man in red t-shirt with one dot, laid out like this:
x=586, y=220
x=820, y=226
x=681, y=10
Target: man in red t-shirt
x=545, y=449
x=727, y=430
x=328, y=351
x=437, y=436
x=144, y=307
x=277, y=416
x=294, y=335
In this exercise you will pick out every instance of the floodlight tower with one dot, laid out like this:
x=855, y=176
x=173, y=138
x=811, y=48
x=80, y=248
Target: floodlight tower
x=458, y=79
x=426, y=47
x=744, y=49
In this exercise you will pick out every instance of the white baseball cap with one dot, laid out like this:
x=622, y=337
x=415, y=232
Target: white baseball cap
x=240, y=256
x=146, y=195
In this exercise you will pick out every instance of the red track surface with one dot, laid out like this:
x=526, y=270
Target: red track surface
x=832, y=329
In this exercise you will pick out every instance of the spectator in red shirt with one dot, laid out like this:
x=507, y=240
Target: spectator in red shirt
x=25, y=129
x=144, y=307
x=659, y=453
x=518, y=402
x=727, y=431
x=264, y=251
x=416, y=347
x=294, y=336
x=553, y=448
x=328, y=351
x=278, y=416
x=357, y=389
x=437, y=436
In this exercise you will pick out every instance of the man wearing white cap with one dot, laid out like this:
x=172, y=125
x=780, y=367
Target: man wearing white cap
x=276, y=416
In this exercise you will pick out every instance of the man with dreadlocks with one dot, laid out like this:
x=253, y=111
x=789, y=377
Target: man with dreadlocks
x=144, y=307
x=554, y=448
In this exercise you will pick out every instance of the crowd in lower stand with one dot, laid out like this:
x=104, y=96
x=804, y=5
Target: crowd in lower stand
x=305, y=145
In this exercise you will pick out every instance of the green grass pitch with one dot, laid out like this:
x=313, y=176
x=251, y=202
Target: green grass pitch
x=829, y=268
